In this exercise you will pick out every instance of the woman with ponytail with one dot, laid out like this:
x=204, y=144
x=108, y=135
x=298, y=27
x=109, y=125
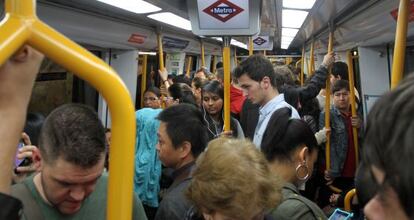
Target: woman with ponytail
x=291, y=149
x=212, y=96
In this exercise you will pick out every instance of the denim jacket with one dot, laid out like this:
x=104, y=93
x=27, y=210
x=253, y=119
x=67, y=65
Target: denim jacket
x=339, y=140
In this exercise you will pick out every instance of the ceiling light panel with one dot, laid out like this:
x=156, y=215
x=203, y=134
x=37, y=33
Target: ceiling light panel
x=290, y=32
x=136, y=6
x=298, y=4
x=172, y=19
x=293, y=18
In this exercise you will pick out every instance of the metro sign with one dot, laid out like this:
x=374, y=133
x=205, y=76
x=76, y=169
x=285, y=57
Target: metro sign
x=223, y=10
x=259, y=41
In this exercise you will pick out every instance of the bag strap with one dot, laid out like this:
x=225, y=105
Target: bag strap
x=31, y=210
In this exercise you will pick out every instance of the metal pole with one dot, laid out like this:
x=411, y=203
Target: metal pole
x=235, y=56
x=250, y=46
x=353, y=105
x=312, y=59
x=189, y=62
x=328, y=108
x=213, y=70
x=203, y=60
x=226, y=66
x=302, y=65
x=400, y=42
x=143, y=78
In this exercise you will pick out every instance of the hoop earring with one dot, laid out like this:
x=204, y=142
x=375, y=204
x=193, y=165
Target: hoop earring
x=302, y=166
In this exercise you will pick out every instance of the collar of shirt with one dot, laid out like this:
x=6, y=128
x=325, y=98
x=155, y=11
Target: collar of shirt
x=270, y=106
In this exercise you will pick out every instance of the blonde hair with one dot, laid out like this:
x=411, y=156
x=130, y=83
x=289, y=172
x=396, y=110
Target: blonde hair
x=233, y=177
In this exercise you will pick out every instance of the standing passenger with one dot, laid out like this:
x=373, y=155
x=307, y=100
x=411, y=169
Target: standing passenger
x=388, y=153
x=257, y=77
x=213, y=113
x=290, y=147
x=182, y=136
x=71, y=182
x=152, y=98
x=221, y=190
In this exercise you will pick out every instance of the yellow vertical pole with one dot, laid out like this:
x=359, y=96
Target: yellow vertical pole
x=189, y=63
x=309, y=67
x=302, y=66
x=160, y=52
x=353, y=104
x=235, y=56
x=213, y=70
x=250, y=46
x=400, y=42
x=161, y=62
x=203, y=60
x=143, y=78
x=312, y=59
x=226, y=66
x=328, y=107
x=264, y=52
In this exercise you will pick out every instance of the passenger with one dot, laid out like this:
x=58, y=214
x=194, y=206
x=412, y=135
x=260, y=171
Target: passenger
x=182, y=136
x=108, y=137
x=30, y=136
x=388, y=152
x=242, y=189
x=147, y=164
x=201, y=73
x=180, y=93
x=196, y=86
x=152, y=98
x=256, y=76
x=17, y=76
x=71, y=182
x=213, y=113
x=290, y=147
x=339, y=72
x=342, y=152
x=237, y=96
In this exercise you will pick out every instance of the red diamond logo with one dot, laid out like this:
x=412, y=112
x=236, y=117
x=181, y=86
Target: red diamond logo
x=259, y=41
x=223, y=10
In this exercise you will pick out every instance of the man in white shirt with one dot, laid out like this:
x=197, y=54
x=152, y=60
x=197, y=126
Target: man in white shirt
x=257, y=78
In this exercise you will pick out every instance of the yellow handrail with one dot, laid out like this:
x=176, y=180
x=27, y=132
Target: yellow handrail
x=203, y=60
x=226, y=68
x=21, y=26
x=327, y=114
x=302, y=65
x=400, y=42
x=160, y=62
x=250, y=46
x=348, y=200
x=189, y=63
x=312, y=59
x=213, y=70
x=143, y=78
x=353, y=104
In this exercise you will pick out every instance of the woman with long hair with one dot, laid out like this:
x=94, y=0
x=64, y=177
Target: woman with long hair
x=212, y=95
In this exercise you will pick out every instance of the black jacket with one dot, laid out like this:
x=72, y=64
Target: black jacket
x=10, y=207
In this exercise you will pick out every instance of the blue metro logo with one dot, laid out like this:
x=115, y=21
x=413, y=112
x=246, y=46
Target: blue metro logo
x=223, y=10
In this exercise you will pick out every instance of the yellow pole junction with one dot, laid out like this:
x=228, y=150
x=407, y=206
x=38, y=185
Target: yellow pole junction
x=189, y=62
x=21, y=26
x=353, y=105
x=250, y=46
x=226, y=68
x=312, y=59
x=348, y=200
x=203, y=60
x=302, y=66
x=400, y=43
x=143, y=78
